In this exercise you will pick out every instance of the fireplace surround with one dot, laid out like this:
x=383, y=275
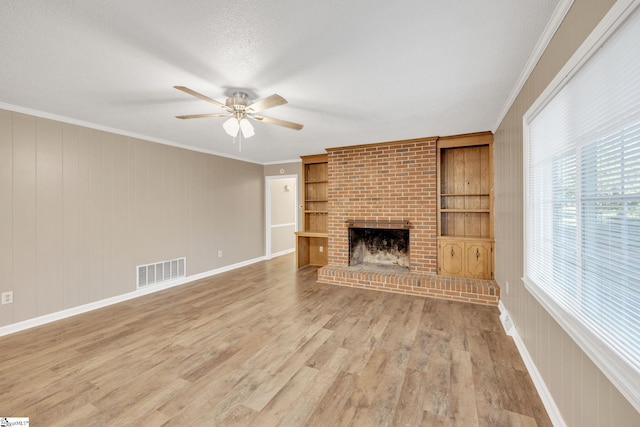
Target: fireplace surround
x=391, y=185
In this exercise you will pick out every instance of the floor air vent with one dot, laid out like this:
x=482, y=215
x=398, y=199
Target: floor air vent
x=159, y=272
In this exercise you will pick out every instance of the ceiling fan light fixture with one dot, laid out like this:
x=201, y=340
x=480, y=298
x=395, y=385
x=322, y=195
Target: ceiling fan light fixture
x=247, y=128
x=231, y=127
x=240, y=109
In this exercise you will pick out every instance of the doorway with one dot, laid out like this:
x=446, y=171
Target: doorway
x=281, y=214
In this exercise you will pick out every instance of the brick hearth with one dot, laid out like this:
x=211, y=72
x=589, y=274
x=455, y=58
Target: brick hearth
x=463, y=289
x=392, y=181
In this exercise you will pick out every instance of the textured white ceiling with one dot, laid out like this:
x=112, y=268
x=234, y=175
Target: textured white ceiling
x=354, y=72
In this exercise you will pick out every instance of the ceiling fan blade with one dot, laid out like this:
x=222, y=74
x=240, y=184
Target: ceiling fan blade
x=264, y=103
x=201, y=96
x=279, y=122
x=200, y=116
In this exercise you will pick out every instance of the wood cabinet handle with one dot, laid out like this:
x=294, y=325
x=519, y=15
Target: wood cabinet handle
x=452, y=253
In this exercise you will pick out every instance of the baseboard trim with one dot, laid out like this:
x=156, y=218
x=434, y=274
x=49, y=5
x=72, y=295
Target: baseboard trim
x=546, y=397
x=63, y=314
x=285, y=252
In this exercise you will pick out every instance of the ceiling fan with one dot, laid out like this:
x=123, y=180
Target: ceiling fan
x=239, y=108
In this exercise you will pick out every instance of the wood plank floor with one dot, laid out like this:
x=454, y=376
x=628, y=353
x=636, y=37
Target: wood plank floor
x=266, y=345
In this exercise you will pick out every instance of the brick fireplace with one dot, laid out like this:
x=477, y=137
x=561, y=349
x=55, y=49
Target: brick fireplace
x=393, y=183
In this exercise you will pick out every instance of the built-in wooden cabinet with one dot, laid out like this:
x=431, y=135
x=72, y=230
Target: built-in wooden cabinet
x=465, y=206
x=311, y=242
x=466, y=258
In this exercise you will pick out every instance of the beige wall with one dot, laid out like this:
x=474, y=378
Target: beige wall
x=584, y=396
x=283, y=214
x=290, y=168
x=283, y=238
x=283, y=200
x=80, y=208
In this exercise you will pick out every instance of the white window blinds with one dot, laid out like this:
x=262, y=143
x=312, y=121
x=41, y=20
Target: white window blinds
x=582, y=206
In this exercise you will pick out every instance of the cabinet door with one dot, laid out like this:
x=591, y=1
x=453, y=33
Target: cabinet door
x=478, y=257
x=450, y=258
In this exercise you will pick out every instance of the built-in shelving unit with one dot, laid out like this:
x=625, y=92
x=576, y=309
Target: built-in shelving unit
x=465, y=206
x=311, y=243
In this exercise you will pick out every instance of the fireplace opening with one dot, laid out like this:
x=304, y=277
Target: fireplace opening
x=379, y=247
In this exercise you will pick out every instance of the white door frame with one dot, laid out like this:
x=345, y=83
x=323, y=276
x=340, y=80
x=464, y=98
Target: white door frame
x=267, y=215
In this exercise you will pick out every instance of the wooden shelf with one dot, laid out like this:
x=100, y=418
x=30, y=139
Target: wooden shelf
x=463, y=195
x=465, y=210
x=312, y=234
x=465, y=207
x=465, y=238
x=313, y=241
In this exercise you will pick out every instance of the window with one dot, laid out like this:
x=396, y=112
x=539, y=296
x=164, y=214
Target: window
x=582, y=198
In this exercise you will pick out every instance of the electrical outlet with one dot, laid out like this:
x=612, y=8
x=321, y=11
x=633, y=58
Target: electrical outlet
x=321, y=249
x=7, y=297
x=219, y=254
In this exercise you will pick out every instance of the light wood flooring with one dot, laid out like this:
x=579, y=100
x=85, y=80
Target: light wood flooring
x=266, y=345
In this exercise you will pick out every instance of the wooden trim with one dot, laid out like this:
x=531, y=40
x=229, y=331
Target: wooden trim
x=466, y=239
x=386, y=225
x=491, y=194
x=314, y=158
x=438, y=194
x=311, y=234
x=467, y=135
x=466, y=140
